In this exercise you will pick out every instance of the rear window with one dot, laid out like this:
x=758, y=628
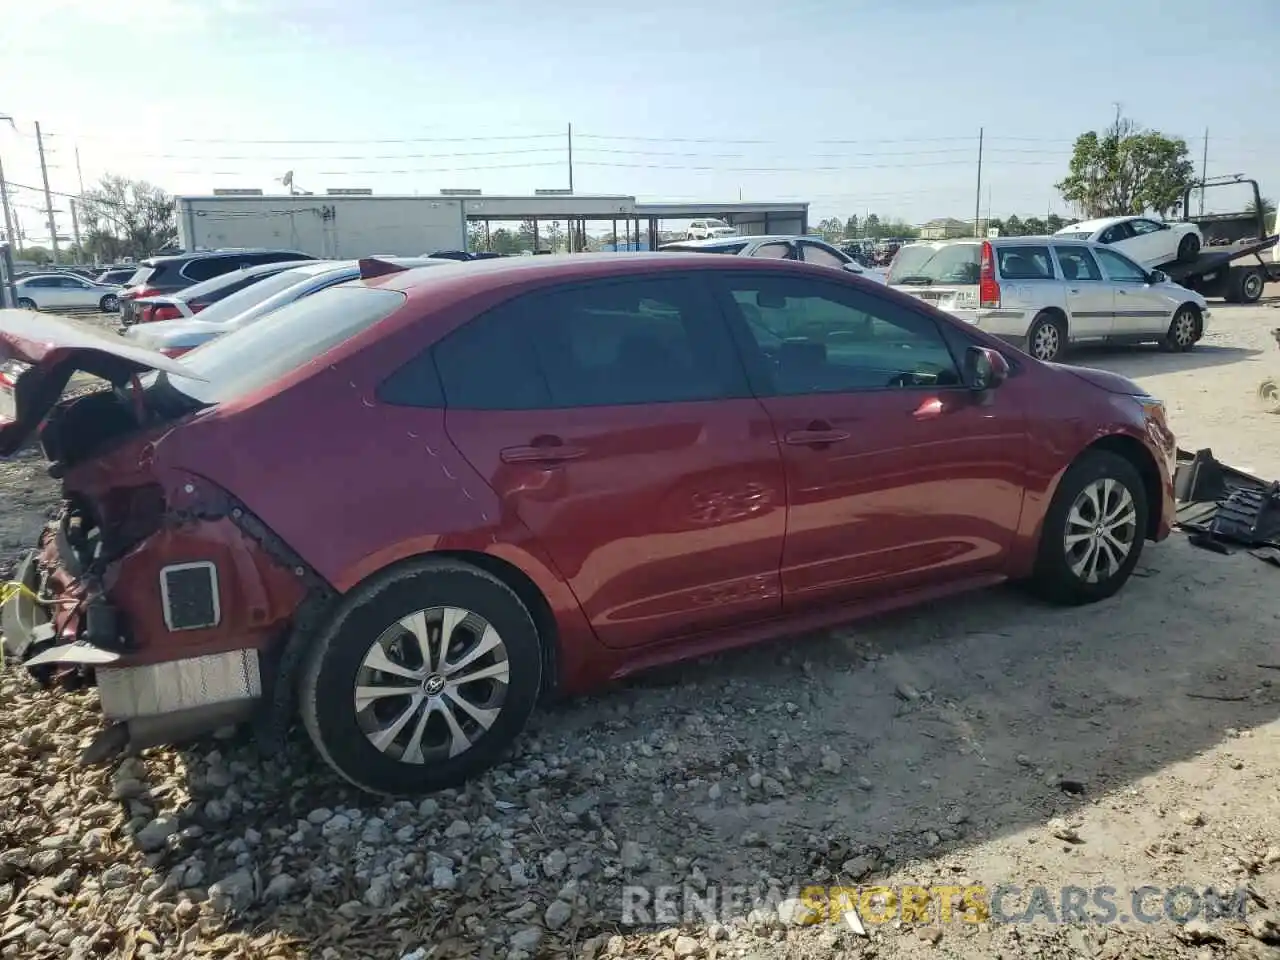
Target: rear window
x=1074, y=234
x=206, y=267
x=236, y=366
x=141, y=276
x=925, y=263
x=707, y=248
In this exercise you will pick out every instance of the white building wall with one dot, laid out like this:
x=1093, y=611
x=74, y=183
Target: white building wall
x=339, y=227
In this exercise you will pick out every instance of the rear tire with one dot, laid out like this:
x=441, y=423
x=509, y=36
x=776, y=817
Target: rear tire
x=436, y=730
x=1047, y=337
x=1249, y=286
x=1094, y=531
x=1188, y=248
x=26, y=303
x=1184, y=330
x=109, y=304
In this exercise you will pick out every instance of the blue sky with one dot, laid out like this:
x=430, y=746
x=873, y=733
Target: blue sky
x=855, y=106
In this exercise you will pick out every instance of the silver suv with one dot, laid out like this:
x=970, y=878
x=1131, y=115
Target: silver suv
x=1043, y=293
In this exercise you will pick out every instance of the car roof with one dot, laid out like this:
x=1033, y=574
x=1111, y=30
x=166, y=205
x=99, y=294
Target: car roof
x=1101, y=223
x=752, y=238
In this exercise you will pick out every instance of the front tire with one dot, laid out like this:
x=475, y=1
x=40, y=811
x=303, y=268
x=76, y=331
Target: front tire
x=1184, y=330
x=26, y=303
x=424, y=677
x=1094, y=531
x=1047, y=338
x=1188, y=248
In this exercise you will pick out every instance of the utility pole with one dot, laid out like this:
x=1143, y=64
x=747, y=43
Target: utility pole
x=4, y=198
x=571, y=158
x=977, y=203
x=48, y=197
x=1204, y=170
x=75, y=221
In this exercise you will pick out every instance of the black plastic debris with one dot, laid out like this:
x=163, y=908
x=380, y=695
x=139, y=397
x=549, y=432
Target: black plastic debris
x=1222, y=508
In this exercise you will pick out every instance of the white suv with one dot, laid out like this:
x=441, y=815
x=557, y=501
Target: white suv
x=709, y=229
x=1044, y=293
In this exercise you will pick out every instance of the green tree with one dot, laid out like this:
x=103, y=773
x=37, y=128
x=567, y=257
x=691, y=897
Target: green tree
x=872, y=229
x=1126, y=170
x=1013, y=227
x=1034, y=227
x=831, y=229
x=506, y=242
x=126, y=218
x=554, y=235
x=1268, y=210
x=40, y=255
x=998, y=225
x=1053, y=223
x=851, y=227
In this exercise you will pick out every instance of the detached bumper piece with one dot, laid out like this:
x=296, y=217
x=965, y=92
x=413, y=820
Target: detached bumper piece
x=1223, y=509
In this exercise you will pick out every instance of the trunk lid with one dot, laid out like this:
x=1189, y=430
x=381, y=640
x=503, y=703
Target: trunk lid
x=955, y=297
x=39, y=353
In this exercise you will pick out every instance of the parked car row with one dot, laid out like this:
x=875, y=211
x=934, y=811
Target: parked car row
x=406, y=506
x=66, y=292
x=809, y=249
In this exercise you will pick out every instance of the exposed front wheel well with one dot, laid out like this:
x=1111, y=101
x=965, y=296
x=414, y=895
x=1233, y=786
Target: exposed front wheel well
x=534, y=601
x=1145, y=464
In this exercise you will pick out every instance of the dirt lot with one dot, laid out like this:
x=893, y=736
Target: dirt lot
x=985, y=741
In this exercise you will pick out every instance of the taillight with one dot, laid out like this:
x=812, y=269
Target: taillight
x=137, y=292
x=988, y=288
x=163, y=311
x=174, y=351
x=196, y=307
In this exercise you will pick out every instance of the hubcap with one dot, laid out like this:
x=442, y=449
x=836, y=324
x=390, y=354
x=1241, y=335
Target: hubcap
x=1102, y=526
x=1252, y=286
x=1184, y=328
x=1044, y=346
x=431, y=685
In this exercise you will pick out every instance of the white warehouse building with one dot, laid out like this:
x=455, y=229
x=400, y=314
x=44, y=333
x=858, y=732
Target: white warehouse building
x=348, y=226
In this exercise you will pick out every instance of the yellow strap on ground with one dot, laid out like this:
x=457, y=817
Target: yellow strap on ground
x=8, y=591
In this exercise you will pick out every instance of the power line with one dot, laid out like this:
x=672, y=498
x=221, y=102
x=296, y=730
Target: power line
x=349, y=142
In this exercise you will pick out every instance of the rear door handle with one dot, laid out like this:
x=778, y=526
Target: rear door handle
x=1073, y=290
x=541, y=453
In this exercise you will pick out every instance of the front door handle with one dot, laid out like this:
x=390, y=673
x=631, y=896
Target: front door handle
x=1073, y=290
x=1122, y=293
x=818, y=434
x=542, y=451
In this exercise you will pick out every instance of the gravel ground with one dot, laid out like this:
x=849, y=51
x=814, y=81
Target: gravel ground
x=987, y=740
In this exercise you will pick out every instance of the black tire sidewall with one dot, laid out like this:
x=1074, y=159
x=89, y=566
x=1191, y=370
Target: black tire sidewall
x=1245, y=296
x=1171, y=337
x=26, y=303
x=328, y=677
x=102, y=304
x=1054, y=576
x=1042, y=320
x=1188, y=248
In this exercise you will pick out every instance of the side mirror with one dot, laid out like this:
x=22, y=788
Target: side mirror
x=984, y=369
x=1157, y=277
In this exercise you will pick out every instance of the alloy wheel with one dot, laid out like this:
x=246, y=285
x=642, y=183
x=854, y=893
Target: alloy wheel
x=1046, y=342
x=1184, y=328
x=1102, y=527
x=1252, y=287
x=431, y=685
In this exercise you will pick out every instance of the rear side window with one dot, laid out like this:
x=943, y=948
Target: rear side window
x=707, y=248
x=775, y=251
x=602, y=344
x=1077, y=263
x=1025, y=263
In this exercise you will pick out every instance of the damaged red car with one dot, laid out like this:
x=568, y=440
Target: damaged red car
x=407, y=507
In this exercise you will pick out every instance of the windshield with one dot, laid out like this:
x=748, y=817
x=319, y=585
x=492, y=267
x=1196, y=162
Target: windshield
x=238, y=364
x=140, y=276
x=229, y=308
x=925, y=263
x=706, y=247
x=716, y=223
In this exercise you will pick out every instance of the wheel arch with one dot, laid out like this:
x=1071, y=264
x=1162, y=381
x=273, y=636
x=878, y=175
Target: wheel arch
x=1058, y=314
x=1195, y=308
x=1132, y=450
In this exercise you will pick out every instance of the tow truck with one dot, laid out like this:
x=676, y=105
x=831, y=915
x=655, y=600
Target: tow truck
x=1228, y=238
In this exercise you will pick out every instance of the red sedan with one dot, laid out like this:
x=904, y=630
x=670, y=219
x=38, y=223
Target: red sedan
x=408, y=506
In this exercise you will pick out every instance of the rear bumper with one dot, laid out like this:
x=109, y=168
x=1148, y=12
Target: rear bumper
x=1007, y=324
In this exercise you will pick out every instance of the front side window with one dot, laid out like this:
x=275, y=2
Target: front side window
x=600, y=344
x=1121, y=268
x=1121, y=231
x=1025, y=263
x=1077, y=263
x=1145, y=226
x=820, y=338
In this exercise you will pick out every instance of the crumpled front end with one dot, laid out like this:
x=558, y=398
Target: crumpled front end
x=169, y=596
